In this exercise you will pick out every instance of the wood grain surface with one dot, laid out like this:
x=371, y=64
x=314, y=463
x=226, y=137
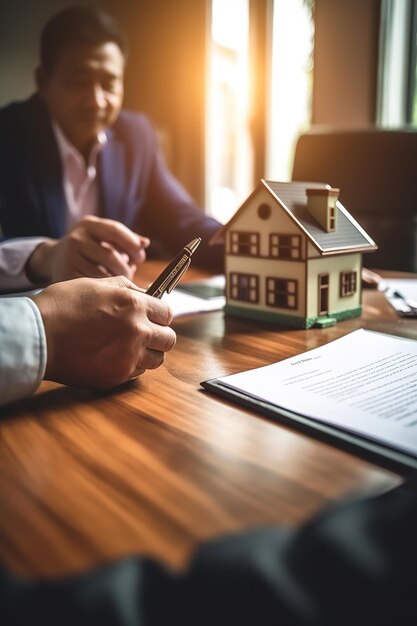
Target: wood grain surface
x=159, y=465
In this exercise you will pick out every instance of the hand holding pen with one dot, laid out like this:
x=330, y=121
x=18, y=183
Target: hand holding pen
x=173, y=272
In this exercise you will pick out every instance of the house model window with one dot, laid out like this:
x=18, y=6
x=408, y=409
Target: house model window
x=244, y=287
x=284, y=246
x=244, y=243
x=281, y=293
x=348, y=283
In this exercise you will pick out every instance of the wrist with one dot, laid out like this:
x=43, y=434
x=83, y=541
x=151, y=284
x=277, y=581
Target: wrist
x=38, y=267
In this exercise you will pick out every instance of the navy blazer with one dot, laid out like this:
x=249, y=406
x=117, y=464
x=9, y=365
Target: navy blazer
x=135, y=185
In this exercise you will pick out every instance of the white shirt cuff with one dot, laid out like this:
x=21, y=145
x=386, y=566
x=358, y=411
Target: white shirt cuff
x=23, y=353
x=14, y=254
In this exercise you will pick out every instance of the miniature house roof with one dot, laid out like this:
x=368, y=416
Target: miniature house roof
x=292, y=198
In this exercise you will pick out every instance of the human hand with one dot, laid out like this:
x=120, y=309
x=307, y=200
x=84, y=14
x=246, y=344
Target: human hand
x=96, y=247
x=102, y=332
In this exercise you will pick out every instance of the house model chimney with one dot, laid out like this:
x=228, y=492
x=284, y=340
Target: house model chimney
x=321, y=204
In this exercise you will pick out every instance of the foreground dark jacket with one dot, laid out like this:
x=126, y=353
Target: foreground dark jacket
x=135, y=185
x=354, y=564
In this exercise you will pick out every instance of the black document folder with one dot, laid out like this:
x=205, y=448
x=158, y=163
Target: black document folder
x=386, y=456
x=358, y=392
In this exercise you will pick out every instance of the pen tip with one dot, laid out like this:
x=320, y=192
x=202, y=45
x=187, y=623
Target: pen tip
x=193, y=245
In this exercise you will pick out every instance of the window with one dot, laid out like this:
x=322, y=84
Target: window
x=229, y=150
x=257, y=51
x=281, y=292
x=245, y=244
x=347, y=283
x=291, y=79
x=332, y=218
x=285, y=246
x=244, y=287
x=397, y=88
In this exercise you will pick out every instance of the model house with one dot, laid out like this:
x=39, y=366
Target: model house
x=294, y=255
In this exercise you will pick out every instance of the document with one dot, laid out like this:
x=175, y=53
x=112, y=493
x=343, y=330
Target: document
x=197, y=296
x=364, y=383
x=401, y=293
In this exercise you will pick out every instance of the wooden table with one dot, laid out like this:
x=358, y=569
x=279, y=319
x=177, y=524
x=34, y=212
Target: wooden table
x=159, y=465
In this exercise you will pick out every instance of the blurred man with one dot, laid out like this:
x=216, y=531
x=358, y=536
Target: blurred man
x=73, y=165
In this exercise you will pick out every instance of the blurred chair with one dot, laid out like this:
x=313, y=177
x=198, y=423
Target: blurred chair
x=376, y=171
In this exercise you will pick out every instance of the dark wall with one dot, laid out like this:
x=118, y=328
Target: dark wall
x=20, y=25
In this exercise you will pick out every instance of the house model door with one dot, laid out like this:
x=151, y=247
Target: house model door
x=323, y=299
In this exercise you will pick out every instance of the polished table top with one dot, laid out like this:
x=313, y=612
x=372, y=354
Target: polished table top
x=159, y=465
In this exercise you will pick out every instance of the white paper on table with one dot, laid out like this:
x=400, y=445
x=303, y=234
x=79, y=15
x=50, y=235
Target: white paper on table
x=186, y=304
x=364, y=382
x=407, y=287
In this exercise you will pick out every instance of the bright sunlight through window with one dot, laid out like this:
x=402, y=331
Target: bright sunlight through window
x=229, y=153
x=290, y=84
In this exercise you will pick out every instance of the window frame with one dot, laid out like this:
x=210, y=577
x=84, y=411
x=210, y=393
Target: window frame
x=286, y=291
x=291, y=247
x=348, y=283
x=235, y=247
x=235, y=279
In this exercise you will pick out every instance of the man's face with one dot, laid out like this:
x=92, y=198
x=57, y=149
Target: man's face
x=84, y=91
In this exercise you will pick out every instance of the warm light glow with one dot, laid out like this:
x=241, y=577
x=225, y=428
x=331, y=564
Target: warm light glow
x=229, y=23
x=229, y=152
x=291, y=76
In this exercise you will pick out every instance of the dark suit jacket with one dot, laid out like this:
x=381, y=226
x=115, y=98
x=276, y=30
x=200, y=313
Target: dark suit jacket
x=354, y=564
x=135, y=185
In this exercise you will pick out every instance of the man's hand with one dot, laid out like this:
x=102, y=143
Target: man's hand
x=96, y=247
x=101, y=333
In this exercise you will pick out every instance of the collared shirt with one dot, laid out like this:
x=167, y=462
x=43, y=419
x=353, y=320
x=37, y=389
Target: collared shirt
x=79, y=178
x=81, y=198
x=22, y=348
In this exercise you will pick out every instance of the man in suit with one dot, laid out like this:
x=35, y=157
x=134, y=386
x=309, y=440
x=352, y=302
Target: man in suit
x=83, y=179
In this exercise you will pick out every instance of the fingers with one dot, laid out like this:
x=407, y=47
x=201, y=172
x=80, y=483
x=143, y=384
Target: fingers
x=103, y=254
x=162, y=339
x=151, y=360
x=87, y=318
x=99, y=259
x=116, y=234
x=120, y=281
x=158, y=311
x=96, y=247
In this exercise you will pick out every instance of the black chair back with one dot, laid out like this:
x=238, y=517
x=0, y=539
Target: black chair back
x=376, y=171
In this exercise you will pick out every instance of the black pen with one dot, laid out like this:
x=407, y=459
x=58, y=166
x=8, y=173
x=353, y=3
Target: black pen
x=170, y=276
